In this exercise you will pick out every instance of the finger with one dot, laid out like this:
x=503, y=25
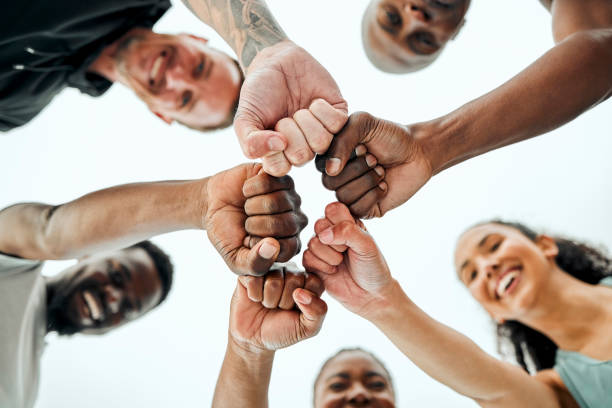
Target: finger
x=289, y=247
x=325, y=252
x=333, y=119
x=313, y=311
x=345, y=141
x=276, y=164
x=273, y=288
x=257, y=260
x=317, y=137
x=264, y=183
x=323, y=224
x=298, y=152
x=254, y=287
x=348, y=233
x=321, y=159
x=367, y=206
x=314, y=284
x=256, y=142
x=314, y=264
x=337, y=212
x=353, y=190
x=353, y=169
x=273, y=203
x=293, y=280
x=281, y=225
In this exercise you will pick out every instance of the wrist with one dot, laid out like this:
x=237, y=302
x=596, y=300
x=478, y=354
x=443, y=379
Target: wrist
x=248, y=352
x=385, y=306
x=272, y=51
x=201, y=203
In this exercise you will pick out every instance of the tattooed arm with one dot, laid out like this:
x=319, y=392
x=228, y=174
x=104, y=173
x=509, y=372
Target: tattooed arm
x=290, y=106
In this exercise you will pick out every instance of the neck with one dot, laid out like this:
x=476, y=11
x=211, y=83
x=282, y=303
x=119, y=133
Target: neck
x=569, y=311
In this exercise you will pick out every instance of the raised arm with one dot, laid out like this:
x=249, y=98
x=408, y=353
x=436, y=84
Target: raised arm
x=249, y=237
x=263, y=320
x=282, y=82
x=572, y=77
x=355, y=273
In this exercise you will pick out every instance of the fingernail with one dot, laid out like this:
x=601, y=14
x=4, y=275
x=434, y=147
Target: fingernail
x=274, y=143
x=326, y=236
x=379, y=170
x=303, y=297
x=382, y=186
x=267, y=250
x=360, y=150
x=370, y=160
x=333, y=165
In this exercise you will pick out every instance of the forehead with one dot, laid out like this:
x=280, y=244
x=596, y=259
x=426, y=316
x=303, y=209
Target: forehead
x=354, y=362
x=472, y=238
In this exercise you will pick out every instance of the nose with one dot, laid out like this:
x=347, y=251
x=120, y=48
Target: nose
x=358, y=395
x=177, y=78
x=113, y=298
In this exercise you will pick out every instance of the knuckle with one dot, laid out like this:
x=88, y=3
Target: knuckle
x=301, y=156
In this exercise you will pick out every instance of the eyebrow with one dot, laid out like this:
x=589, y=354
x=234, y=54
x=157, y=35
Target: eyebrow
x=370, y=374
x=341, y=375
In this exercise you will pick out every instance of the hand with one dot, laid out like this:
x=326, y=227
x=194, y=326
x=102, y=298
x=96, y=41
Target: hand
x=287, y=90
x=276, y=325
x=253, y=219
x=348, y=261
x=395, y=148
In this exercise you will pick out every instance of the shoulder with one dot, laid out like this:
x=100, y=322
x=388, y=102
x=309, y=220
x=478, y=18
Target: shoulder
x=553, y=380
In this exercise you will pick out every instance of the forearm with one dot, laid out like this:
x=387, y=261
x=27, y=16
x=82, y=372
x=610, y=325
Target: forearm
x=107, y=219
x=244, y=378
x=451, y=358
x=246, y=25
x=569, y=79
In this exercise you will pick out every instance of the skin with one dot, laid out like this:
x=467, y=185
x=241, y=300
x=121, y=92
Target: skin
x=289, y=106
x=256, y=332
x=402, y=36
x=195, y=84
x=124, y=215
x=573, y=314
x=565, y=82
x=125, y=282
x=354, y=379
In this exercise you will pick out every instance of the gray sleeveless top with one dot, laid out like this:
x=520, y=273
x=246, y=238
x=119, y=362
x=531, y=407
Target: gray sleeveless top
x=588, y=380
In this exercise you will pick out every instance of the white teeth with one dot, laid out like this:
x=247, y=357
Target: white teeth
x=156, y=66
x=505, y=282
x=94, y=309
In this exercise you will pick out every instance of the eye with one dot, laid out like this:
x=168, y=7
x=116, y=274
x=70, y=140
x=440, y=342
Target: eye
x=337, y=387
x=377, y=385
x=473, y=275
x=197, y=72
x=117, y=278
x=393, y=18
x=186, y=98
x=495, y=246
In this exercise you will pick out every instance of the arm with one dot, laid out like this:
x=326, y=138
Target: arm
x=263, y=318
x=355, y=273
x=242, y=210
x=289, y=106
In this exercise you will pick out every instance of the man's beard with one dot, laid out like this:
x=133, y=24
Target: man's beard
x=58, y=305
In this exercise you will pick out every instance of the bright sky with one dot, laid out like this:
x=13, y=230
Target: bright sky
x=170, y=358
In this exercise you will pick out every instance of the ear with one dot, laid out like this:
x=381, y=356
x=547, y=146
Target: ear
x=548, y=246
x=459, y=27
x=166, y=119
x=195, y=37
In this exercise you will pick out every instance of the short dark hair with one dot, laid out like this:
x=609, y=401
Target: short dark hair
x=348, y=350
x=532, y=349
x=162, y=263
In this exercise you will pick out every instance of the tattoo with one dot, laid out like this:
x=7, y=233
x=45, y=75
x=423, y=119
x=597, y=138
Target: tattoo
x=247, y=25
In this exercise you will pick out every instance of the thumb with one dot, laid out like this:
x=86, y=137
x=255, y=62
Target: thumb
x=350, y=234
x=257, y=260
x=313, y=310
x=345, y=142
x=254, y=140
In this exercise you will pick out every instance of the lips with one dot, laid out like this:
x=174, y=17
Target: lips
x=507, y=281
x=93, y=305
x=158, y=68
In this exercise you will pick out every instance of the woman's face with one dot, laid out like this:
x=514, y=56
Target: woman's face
x=354, y=379
x=503, y=269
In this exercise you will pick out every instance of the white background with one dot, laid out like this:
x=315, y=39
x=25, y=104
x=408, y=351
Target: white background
x=171, y=357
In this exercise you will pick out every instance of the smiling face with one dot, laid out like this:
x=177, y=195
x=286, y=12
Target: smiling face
x=503, y=269
x=103, y=292
x=401, y=36
x=353, y=379
x=179, y=77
